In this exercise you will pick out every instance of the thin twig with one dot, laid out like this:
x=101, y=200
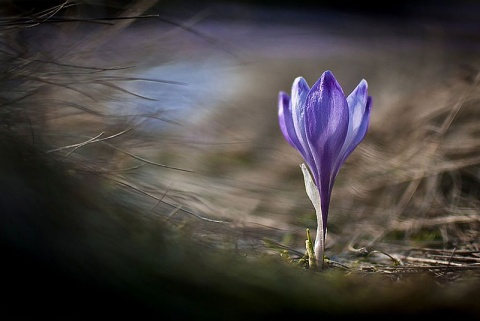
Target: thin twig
x=431, y=261
x=84, y=143
x=90, y=141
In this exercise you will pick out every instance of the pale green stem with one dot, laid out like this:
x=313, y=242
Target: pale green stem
x=319, y=247
x=313, y=194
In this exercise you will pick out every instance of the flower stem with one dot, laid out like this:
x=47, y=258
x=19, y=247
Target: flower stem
x=319, y=242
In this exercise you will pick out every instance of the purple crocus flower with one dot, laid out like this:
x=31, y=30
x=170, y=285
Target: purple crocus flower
x=325, y=126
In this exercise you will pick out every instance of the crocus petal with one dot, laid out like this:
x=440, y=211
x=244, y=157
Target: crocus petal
x=286, y=121
x=359, y=104
x=359, y=117
x=300, y=91
x=326, y=118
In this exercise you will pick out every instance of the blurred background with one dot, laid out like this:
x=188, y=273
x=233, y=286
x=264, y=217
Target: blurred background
x=175, y=104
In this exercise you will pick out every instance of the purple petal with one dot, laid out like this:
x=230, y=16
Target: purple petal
x=326, y=117
x=300, y=91
x=359, y=104
x=285, y=120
